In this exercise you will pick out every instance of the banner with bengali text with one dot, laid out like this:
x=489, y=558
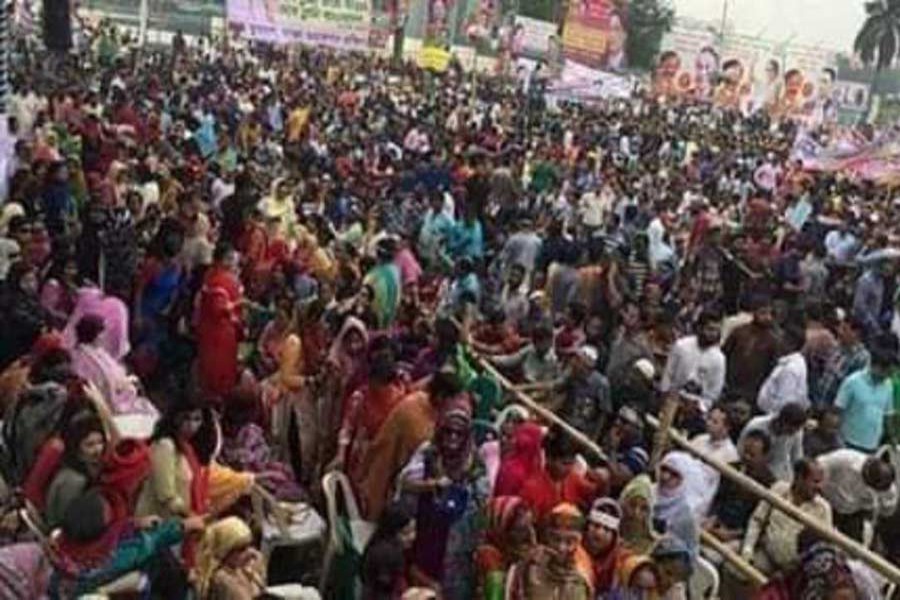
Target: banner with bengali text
x=339, y=24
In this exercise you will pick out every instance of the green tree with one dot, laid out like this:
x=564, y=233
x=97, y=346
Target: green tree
x=646, y=22
x=879, y=38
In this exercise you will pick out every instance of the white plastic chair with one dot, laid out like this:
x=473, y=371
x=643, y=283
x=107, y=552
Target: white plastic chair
x=704, y=583
x=360, y=529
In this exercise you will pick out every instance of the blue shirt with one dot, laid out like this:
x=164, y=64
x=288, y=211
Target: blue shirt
x=865, y=404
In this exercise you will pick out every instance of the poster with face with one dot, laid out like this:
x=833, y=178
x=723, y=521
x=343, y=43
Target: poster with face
x=706, y=67
x=665, y=76
x=732, y=87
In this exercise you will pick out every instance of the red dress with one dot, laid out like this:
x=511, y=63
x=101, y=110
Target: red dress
x=219, y=327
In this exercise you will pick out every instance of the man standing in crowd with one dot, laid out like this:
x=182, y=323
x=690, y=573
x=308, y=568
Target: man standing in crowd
x=771, y=539
x=785, y=430
x=859, y=487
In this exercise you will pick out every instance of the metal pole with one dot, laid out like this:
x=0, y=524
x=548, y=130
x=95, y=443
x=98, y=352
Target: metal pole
x=144, y=18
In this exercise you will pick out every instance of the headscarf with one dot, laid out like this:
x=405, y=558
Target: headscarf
x=629, y=567
x=675, y=507
x=690, y=491
x=219, y=540
x=348, y=365
x=637, y=536
x=566, y=517
x=499, y=552
x=522, y=462
x=113, y=312
x=455, y=412
x=823, y=569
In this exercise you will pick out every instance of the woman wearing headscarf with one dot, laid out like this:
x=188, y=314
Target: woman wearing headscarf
x=347, y=362
x=603, y=542
x=679, y=487
x=385, y=280
x=228, y=567
x=279, y=204
x=555, y=571
x=366, y=412
x=218, y=324
x=522, y=461
x=114, y=314
x=823, y=574
x=94, y=364
x=448, y=485
x=637, y=578
x=510, y=538
x=636, y=528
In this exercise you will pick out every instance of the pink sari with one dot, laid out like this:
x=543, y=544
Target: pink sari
x=95, y=365
x=114, y=337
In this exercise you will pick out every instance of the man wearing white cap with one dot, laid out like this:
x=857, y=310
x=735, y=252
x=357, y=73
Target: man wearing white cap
x=584, y=399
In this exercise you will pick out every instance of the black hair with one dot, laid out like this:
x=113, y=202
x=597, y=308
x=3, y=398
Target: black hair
x=444, y=384
x=559, y=446
x=792, y=414
x=762, y=437
x=803, y=467
x=74, y=433
x=51, y=366
x=88, y=328
x=223, y=249
x=85, y=518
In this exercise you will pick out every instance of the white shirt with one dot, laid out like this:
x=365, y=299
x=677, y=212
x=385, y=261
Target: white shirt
x=723, y=450
x=845, y=489
x=688, y=362
x=785, y=384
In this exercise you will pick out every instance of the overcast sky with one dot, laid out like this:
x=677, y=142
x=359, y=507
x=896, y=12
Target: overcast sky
x=830, y=23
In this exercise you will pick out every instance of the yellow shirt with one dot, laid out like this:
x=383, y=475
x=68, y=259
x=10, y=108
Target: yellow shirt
x=296, y=123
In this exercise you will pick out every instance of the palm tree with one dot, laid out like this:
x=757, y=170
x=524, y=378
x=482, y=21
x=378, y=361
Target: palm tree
x=879, y=39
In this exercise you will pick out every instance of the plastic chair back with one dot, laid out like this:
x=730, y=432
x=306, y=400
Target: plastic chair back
x=704, y=583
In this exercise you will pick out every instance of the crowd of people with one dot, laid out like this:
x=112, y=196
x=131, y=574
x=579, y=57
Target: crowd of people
x=230, y=270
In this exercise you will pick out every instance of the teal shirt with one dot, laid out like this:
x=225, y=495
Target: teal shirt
x=865, y=404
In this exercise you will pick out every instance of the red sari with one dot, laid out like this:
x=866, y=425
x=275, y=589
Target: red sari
x=219, y=328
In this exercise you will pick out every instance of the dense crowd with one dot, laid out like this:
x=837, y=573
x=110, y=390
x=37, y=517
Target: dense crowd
x=230, y=271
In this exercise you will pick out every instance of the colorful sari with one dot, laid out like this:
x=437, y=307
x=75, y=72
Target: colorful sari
x=219, y=328
x=385, y=281
x=95, y=365
x=114, y=337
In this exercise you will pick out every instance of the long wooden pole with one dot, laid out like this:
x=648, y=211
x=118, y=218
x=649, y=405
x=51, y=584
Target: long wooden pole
x=727, y=553
x=544, y=413
x=734, y=559
x=851, y=547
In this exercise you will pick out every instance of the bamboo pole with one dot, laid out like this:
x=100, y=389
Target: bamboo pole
x=728, y=554
x=851, y=547
x=544, y=413
x=750, y=572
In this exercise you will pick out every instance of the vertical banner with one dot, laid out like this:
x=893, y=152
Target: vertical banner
x=594, y=34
